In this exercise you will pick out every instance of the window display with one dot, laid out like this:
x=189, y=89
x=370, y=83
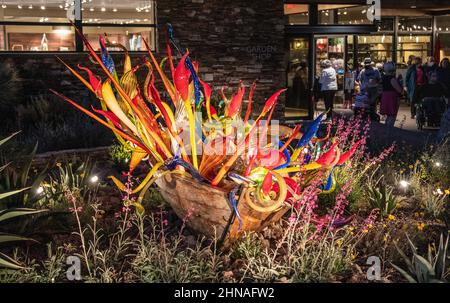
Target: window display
x=44, y=25
x=297, y=13
x=419, y=46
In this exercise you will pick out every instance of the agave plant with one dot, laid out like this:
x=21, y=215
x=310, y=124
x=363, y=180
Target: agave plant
x=425, y=270
x=381, y=196
x=8, y=214
x=16, y=177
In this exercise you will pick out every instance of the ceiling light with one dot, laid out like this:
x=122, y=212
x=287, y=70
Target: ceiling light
x=91, y=9
x=3, y=5
x=19, y=6
x=114, y=9
x=103, y=9
x=30, y=6
x=42, y=7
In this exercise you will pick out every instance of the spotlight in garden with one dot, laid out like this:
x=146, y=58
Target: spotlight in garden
x=39, y=190
x=94, y=179
x=404, y=184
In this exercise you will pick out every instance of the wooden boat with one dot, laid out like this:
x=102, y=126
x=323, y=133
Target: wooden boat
x=209, y=211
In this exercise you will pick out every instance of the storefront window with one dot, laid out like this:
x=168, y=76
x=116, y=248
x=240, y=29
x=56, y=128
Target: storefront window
x=297, y=103
x=2, y=38
x=443, y=24
x=386, y=24
x=297, y=13
x=353, y=15
x=415, y=24
x=39, y=38
x=377, y=47
x=44, y=25
x=118, y=12
x=417, y=45
x=443, y=28
x=34, y=11
x=130, y=37
x=343, y=14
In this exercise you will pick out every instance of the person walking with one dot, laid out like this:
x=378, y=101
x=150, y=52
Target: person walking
x=390, y=96
x=328, y=82
x=349, y=88
x=443, y=73
x=430, y=66
x=431, y=89
x=369, y=80
x=415, y=78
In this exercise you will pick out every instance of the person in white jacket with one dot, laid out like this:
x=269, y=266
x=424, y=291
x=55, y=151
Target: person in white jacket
x=328, y=82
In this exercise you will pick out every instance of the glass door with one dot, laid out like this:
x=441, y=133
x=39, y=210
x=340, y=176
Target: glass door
x=331, y=48
x=298, y=94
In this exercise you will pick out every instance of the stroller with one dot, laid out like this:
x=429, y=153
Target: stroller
x=429, y=112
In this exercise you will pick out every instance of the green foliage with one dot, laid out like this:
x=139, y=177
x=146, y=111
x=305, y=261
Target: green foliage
x=52, y=269
x=426, y=270
x=47, y=120
x=72, y=175
x=249, y=246
x=381, y=196
x=153, y=199
x=433, y=202
x=11, y=213
x=15, y=177
x=121, y=155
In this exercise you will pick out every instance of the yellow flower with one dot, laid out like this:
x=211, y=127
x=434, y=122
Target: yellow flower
x=411, y=166
x=384, y=225
x=82, y=175
x=58, y=164
x=339, y=242
x=391, y=217
x=353, y=256
x=385, y=238
x=447, y=192
x=370, y=226
x=421, y=226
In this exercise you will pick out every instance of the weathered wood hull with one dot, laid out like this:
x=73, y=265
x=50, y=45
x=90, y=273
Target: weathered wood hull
x=208, y=210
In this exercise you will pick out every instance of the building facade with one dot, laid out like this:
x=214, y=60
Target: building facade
x=277, y=43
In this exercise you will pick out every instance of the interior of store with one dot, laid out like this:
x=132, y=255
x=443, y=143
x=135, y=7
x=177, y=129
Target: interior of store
x=42, y=25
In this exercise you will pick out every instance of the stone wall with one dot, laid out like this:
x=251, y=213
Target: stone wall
x=232, y=40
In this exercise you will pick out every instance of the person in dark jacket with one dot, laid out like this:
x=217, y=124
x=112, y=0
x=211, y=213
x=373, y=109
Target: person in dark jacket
x=443, y=73
x=432, y=89
x=415, y=78
x=430, y=65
